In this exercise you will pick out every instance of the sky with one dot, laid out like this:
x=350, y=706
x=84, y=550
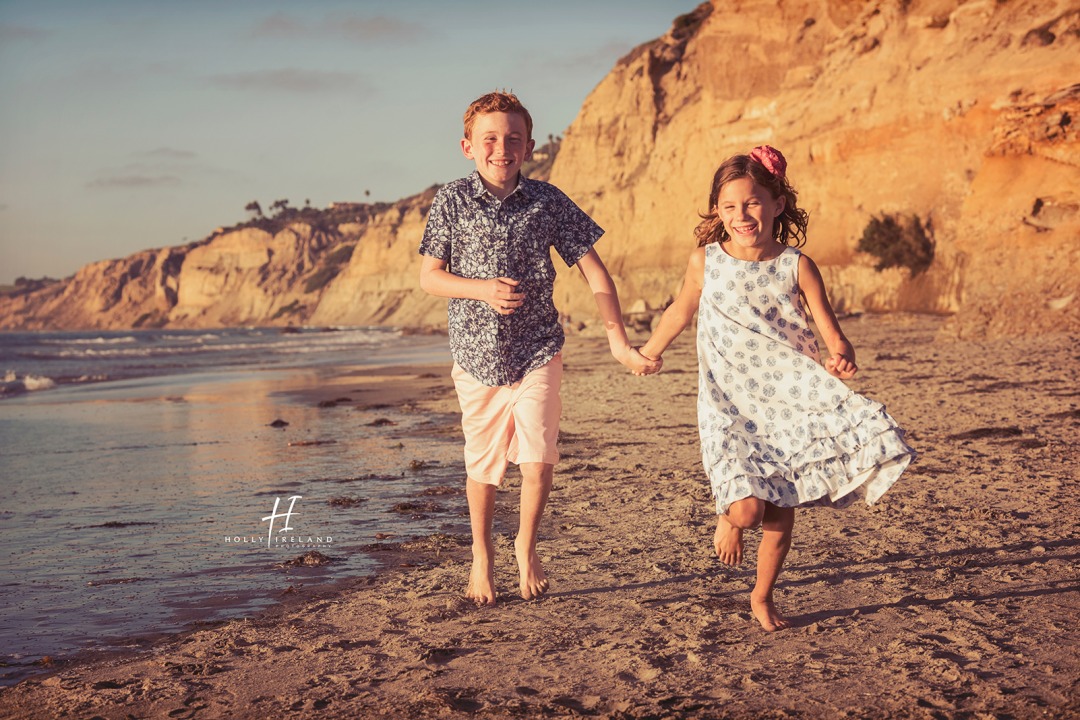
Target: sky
x=135, y=124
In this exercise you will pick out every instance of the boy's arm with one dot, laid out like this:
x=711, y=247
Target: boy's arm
x=499, y=293
x=841, y=362
x=680, y=313
x=607, y=302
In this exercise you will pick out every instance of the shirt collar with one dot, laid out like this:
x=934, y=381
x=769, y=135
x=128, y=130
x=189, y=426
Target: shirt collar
x=477, y=189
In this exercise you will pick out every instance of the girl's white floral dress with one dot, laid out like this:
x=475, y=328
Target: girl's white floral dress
x=774, y=423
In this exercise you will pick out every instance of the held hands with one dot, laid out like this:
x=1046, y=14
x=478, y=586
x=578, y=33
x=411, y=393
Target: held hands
x=500, y=295
x=638, y=363
x=841, y=366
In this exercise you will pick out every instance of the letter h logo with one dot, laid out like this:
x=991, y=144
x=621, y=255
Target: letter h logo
x=274, y=515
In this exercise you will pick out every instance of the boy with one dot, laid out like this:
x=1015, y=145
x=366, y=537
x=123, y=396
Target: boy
x=487, y=248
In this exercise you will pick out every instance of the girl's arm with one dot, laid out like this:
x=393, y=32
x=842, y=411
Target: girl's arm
x=841, y=362
x=607, y=302
x=497, y=292
x=680, y=313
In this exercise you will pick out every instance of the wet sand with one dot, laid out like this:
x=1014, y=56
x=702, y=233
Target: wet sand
x=955, y=596
x=123, y=497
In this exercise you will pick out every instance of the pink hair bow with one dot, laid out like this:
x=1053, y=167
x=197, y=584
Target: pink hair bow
x=771, y=158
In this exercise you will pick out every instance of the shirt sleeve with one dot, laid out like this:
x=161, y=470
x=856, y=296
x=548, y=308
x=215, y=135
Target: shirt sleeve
x=438, y=240
x=577, y=232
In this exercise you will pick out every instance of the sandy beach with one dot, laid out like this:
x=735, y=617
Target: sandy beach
x=956, y=596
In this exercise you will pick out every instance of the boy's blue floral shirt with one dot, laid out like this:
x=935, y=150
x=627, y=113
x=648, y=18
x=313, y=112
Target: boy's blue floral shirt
x=480, y=237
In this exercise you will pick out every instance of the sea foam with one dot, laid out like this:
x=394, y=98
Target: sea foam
x=12, y=384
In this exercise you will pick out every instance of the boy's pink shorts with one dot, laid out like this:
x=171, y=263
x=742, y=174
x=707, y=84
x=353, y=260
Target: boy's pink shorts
x=510, y=424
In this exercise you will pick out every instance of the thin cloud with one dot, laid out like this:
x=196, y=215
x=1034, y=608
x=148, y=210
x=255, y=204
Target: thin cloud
x=603, y=57
x=101, y=72
x=161, y=68
x=280, y=25
x=133, y=182
x=168, y=153
x=113, y=72
x=10, y=33
x=352, y=27
x=341, y=26
x=166, y=164
x=291, y=80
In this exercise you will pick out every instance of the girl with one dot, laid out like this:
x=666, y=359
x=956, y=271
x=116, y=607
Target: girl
x=778, y=431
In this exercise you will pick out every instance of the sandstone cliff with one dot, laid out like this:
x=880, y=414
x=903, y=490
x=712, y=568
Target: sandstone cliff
x=961, y=113
x=359, y=272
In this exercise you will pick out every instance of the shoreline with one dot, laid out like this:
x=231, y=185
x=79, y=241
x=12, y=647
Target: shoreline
x=955, y=595
x=42, y=361
x=172, y=562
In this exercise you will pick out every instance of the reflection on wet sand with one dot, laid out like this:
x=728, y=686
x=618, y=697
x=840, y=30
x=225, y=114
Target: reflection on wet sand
x=130, y=494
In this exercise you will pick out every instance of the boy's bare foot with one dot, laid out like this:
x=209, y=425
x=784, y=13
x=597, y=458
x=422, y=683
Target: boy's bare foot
x=534, y=581
x=766, y=613
x=728, y=542
x=481, y=588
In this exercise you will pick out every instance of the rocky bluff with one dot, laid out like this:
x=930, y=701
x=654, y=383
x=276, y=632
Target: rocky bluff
x=962, y=114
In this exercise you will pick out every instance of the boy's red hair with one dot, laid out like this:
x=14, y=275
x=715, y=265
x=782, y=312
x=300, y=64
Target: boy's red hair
x=497, y=101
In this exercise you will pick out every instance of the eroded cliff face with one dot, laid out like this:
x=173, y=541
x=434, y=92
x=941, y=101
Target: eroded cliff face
x=962, y=113
x=108, y=294
x=380, y=286
x=299, y=275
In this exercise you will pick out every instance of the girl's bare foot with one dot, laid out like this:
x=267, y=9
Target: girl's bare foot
x=728, y=542
x=534, y=581
x=481, y=588
x=766, y=613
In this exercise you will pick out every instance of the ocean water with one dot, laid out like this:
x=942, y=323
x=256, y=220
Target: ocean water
x=31, y=361
x=145, y=487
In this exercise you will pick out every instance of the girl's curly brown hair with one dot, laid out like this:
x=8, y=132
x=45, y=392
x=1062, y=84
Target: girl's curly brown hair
x=789, y=227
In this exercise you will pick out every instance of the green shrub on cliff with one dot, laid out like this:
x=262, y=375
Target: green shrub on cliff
x=318, y=279
x=341, y=255
x=25, y=285
x=331, y=266
x=323, y=220
x=898, y=242
x=291, y=309
x=543, y=158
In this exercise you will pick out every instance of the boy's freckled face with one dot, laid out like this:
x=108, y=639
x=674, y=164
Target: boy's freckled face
x=499, y=145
